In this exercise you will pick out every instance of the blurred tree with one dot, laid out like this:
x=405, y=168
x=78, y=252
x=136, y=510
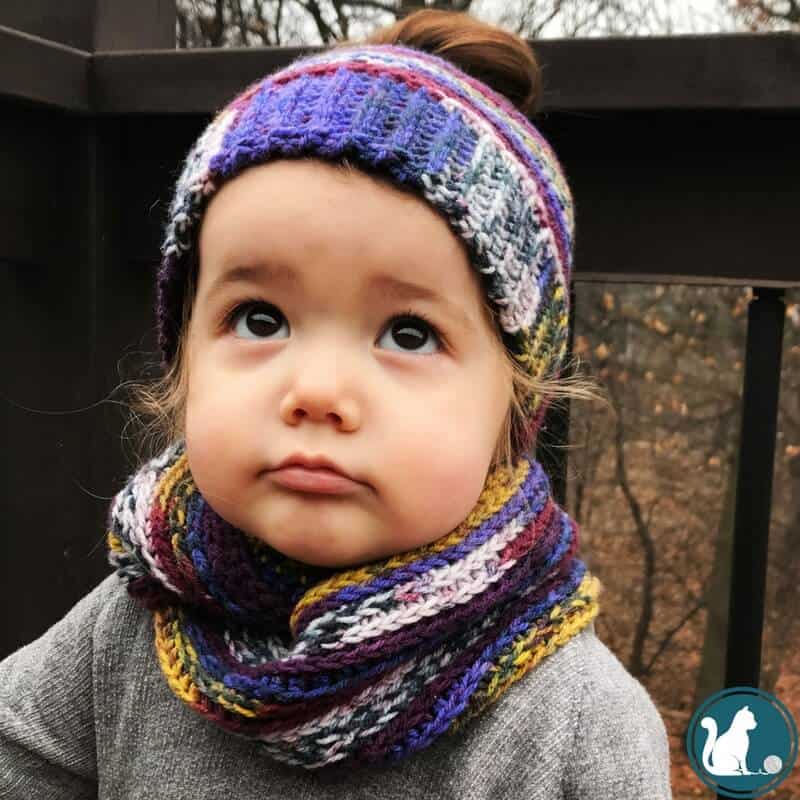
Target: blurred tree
x=768, y=15
x=246, y=23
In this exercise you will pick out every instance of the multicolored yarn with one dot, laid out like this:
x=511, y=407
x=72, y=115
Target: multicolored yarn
x=425, y=124
x=361, y=665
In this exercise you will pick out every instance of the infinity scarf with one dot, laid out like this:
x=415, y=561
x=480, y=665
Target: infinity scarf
x=357, y=665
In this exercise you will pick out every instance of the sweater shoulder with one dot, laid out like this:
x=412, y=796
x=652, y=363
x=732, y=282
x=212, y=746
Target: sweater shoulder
x=521, y=744
x=48, y=713
x=73, y=639
x=621, y=746
x=116, y=609
x=556, y=729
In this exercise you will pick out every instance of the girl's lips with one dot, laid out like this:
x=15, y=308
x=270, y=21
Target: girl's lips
x=324, y=481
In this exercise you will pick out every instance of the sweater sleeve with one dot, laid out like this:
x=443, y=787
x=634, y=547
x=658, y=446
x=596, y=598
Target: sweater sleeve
x=47, y=729
x=621, y=747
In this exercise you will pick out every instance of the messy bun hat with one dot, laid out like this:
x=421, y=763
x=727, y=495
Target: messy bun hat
x=372, y=663
x=425, y=124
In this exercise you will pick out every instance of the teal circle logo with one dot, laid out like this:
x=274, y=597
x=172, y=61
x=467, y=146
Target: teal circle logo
x=742, y=742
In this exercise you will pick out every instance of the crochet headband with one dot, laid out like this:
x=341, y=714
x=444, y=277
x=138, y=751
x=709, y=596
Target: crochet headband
x=426, y=125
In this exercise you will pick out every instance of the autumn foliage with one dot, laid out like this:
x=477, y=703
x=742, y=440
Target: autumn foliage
x=652, y=484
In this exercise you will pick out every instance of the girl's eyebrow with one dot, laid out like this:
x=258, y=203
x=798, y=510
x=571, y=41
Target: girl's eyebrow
x=381, y=282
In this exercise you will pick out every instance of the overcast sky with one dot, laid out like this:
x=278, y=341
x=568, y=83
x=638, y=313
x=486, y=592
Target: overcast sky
x=685, y=16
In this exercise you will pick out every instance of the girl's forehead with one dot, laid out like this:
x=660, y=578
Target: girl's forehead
x=286, y=209
x=274, y=221
x=322, y=186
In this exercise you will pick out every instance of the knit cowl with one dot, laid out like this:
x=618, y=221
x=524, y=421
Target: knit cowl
x=359, y=665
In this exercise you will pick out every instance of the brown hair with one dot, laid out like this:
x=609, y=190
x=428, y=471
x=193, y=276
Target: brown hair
x=502, y=60
x=505, y=62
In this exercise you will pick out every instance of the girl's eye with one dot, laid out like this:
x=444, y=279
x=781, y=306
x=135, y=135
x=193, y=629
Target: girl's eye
x=410, y=330
x=261, y=319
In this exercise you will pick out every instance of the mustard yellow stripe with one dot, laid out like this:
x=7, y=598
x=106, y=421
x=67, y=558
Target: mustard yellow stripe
x=521, y=656
x=172, y=476
x=166, y=489
x=175, y=652
x=499, y=488
x=525, y=658
x=114, y=543
x=533, y=346
x=180, y=683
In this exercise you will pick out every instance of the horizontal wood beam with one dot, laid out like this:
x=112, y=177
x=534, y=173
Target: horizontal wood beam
x=738, y=71
x=40, y=72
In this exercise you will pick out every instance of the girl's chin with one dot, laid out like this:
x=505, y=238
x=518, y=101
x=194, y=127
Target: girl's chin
x=331, y=561
x=316, y=554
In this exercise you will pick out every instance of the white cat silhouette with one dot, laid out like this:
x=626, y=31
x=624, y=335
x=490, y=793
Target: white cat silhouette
x=729, y=750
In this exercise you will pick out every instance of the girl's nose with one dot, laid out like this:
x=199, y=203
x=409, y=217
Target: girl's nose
x=320, y=390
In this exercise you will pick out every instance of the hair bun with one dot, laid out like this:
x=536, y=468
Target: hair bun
x=501, y=59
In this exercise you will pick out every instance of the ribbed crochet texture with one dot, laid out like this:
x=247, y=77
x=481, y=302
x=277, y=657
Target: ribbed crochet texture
x=360, y=665
x=425, y=124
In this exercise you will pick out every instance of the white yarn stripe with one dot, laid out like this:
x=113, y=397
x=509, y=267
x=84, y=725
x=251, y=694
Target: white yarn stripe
x=523, y=296
x=208, y=145
x=444, y=587
x=136, y=522
x=342, y=717
x=241, y=650
x=311, y=632
x=516, y=314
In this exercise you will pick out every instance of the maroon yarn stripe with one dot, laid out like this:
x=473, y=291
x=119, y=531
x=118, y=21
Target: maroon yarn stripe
x=419, y=709
x=333, y=600
x=180, y=571
x=222, y=553
x=288, y=716
x=524, y=541
x=234, y=572
x=388, y=644
x=384, y=646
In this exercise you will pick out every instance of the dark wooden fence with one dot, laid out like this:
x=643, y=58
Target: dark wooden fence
x=681, y=152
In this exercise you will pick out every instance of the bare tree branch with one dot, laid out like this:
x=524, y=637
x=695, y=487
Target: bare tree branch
x=278, y=15
x=642, y=628
x=326, y=33
x=241, y=22
x=674, y=630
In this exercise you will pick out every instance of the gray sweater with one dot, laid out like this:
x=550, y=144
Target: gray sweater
x=86, y=713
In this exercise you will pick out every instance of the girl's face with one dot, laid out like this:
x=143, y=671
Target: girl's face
x=313, y=362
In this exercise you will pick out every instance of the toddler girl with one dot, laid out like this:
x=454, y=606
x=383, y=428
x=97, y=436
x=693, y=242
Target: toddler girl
x=346, y=577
